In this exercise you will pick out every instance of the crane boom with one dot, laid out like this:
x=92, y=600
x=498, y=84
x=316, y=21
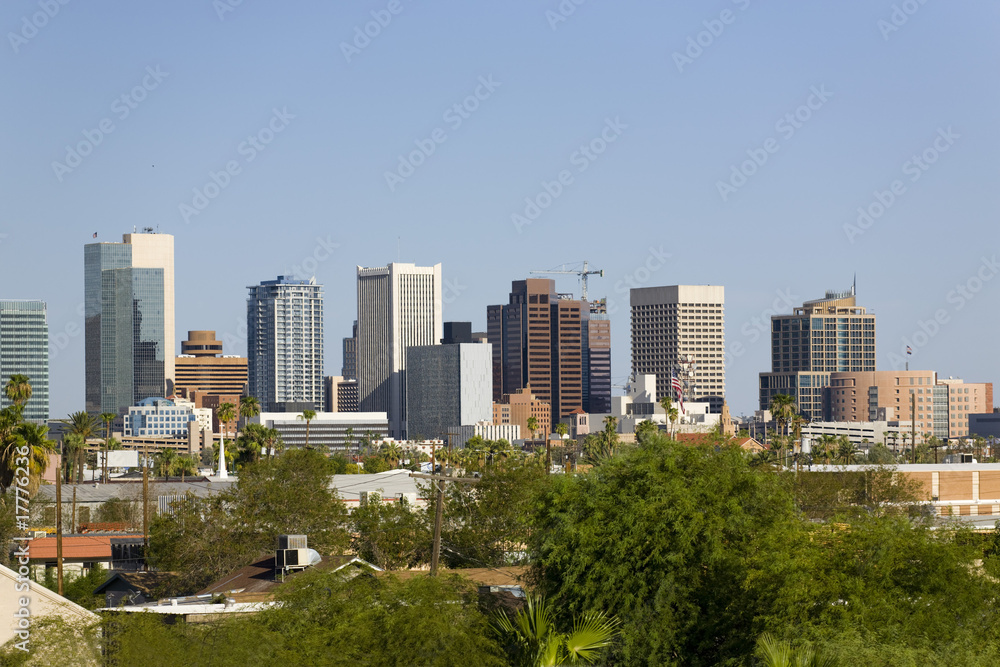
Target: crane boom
x=582, y=273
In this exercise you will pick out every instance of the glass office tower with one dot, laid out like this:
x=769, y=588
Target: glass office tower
x=24, y=350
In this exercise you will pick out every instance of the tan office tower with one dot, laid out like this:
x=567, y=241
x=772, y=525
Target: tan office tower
x=202, y=367
x=399, y=307
x=671, y=323
x=152, y=250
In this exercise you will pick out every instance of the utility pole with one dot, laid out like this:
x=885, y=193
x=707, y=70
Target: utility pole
x=439, y=511
x=145, y=501
x=59, y=557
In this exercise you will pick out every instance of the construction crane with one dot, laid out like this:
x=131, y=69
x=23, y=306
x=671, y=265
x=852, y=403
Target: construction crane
x=583, y=275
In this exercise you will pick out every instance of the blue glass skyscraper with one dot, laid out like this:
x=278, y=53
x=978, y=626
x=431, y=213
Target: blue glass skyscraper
x=128, y=312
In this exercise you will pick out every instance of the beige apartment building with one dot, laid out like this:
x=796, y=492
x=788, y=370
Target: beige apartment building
x=516, y=408
x=939, y=407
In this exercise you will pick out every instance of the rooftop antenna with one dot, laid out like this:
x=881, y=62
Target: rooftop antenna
x=854, y=285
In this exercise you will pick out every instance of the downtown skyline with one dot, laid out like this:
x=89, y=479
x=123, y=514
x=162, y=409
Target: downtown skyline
x=842, y=147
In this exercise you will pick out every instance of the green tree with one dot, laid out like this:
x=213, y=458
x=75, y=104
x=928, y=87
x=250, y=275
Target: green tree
x=488, y=524
x=391, y=535
x=659, y=537
x=772, y=652
x=205, y=538
x=27, y=448
x=165, y=462
x=532, y=640
x=307, y=416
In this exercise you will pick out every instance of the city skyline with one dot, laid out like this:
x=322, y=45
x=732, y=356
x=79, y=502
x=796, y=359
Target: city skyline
x=777, y=158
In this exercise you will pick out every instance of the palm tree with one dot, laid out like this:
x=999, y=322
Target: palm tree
x=846, y=451
x=226, y=413
x=531, y=639
x=72, y=447
x=249, y=407
x=184, y=465
x=107, y=418
x=165, y=463
x=35, y=438
x=307, y=416
x=18, y=391
x=671, y=413
x=775, y=653
x=532, y=426
x=84, y=425
x=782, y=408
x=348, y=438
x=826, y=443
x=392, y=453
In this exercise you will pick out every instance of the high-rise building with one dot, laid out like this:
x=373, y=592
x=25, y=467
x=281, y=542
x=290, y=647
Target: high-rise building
x=340, y=394
x=24, y=350
x=597, y=359
x=560, y=346
x=449, y=385
x=349, y=369
x=399, y=306
x=202, y=367
x=681, y=325
x=824, y=336
x=129, y=320
x=285, y=344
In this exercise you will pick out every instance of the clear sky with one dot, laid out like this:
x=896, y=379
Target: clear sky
x=725, y=142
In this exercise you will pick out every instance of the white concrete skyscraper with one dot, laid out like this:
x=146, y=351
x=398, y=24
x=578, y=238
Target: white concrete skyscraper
x=285, y=344
x=399, y=306
x=129, y=320
x=672, y=324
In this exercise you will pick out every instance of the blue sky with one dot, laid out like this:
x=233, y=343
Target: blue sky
x=885, y=81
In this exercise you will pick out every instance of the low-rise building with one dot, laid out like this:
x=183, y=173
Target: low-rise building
x=485, y=430
x=330, y=430
x=518, y=407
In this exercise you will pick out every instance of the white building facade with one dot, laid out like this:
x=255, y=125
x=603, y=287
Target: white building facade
x=399, y=306
x=681, y=325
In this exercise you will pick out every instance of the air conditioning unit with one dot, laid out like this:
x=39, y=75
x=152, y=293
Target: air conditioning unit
x=290, y=559
x=292, y=542
x=410, y=498
x=39, y=534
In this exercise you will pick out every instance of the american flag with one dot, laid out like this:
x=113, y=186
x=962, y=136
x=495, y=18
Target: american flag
x=909, y=350
x=675, y=384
